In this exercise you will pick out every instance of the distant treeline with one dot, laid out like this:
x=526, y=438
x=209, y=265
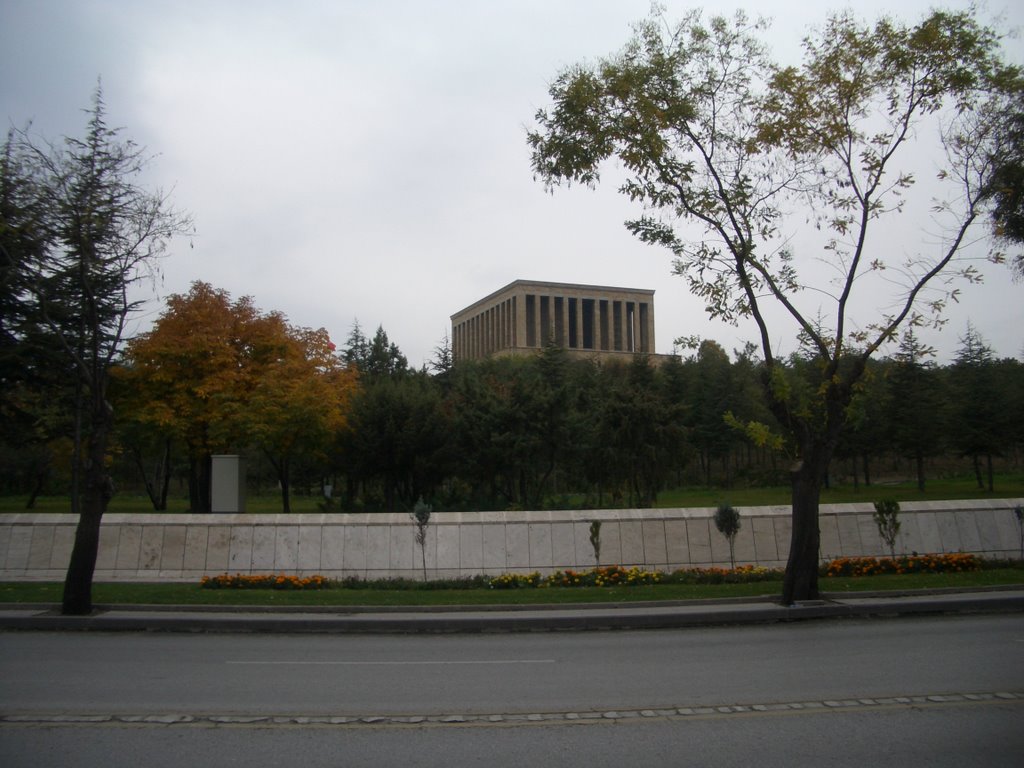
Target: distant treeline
x=524, y=432
x=553, y=430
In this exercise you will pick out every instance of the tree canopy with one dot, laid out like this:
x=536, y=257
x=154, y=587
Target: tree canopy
x=218, y=374
x=731, y=156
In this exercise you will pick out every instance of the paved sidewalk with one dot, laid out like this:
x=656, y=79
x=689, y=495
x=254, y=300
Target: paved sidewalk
x=659, y=615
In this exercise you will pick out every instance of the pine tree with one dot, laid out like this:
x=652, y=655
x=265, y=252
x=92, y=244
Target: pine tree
x=100, y=233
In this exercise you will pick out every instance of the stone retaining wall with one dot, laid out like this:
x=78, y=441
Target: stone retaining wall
x=168, y=547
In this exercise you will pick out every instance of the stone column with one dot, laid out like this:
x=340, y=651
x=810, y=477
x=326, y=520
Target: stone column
x=517, y=312
x=579, y=324
x=603, y=325
x=618, y=324
x=630, y=333
x=503, y=326
x=564, y=341
x=647, y=316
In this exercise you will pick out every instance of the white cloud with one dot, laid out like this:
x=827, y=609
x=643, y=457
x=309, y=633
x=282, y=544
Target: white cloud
x=352, y=159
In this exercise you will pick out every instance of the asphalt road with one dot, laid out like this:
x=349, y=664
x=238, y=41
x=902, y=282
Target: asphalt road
x=911, y=690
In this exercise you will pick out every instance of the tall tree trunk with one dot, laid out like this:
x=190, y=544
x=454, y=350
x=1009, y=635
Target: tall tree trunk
x=77, y=600
x=37, y=488
x=199, y=468
x=76, y=453
x=157, y=485
x=284, y=475
x=166, y=484
x=919, y=460
x=282, y=469
x=801, y=579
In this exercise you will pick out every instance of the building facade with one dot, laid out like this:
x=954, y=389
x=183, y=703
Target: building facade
x=525, y=316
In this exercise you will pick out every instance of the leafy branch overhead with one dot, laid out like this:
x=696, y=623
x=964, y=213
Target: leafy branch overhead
x=730, y=153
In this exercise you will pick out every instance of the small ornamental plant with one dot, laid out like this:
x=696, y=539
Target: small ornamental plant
x=421, y=518
x=595, y=539
x=727, y=521
x=886, y=517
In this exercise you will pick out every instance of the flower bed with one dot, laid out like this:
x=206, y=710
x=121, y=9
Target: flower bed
x=611, y=575
x=607, y=576
x=617, y=575
x=263, y=581
x=743, y=574
x=873, y=566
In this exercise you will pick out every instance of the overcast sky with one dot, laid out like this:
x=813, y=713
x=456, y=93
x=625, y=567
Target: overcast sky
x=367, y=160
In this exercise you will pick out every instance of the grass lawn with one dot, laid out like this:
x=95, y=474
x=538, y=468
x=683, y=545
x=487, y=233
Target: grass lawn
x=192, y=594
x=1010, y=485
x=1007, y=486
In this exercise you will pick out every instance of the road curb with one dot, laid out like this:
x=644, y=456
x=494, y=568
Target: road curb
x=522, y=619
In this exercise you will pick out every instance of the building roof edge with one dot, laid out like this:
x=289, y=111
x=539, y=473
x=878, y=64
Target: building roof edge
x=547, y=285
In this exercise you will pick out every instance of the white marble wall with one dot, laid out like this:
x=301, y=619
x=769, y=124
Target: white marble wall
x=169, y=547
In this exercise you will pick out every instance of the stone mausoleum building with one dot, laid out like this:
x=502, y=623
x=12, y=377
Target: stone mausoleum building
x=525, y=316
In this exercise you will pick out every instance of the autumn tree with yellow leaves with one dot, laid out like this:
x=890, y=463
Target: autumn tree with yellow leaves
x=216, y=374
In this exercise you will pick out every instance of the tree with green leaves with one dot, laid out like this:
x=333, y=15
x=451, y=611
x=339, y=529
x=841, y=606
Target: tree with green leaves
x=979, y=411
x=642, y=431
x=395, y=439
x=730, y=154
x=32, y=364
x=915, y=413
x=1007, y=183
x=711, y=395
x=865, y=435
x=378, y=356
x=97, y=234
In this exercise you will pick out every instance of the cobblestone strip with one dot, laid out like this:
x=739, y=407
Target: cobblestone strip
x=617, y=715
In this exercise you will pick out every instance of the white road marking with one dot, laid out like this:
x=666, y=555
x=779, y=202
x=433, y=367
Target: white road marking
x=393, y=663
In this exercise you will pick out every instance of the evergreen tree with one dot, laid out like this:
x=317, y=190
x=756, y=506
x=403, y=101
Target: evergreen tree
x=99, y=233
x=383, y=357
x=915, y=412
x=978, y=408
x=356, y=347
